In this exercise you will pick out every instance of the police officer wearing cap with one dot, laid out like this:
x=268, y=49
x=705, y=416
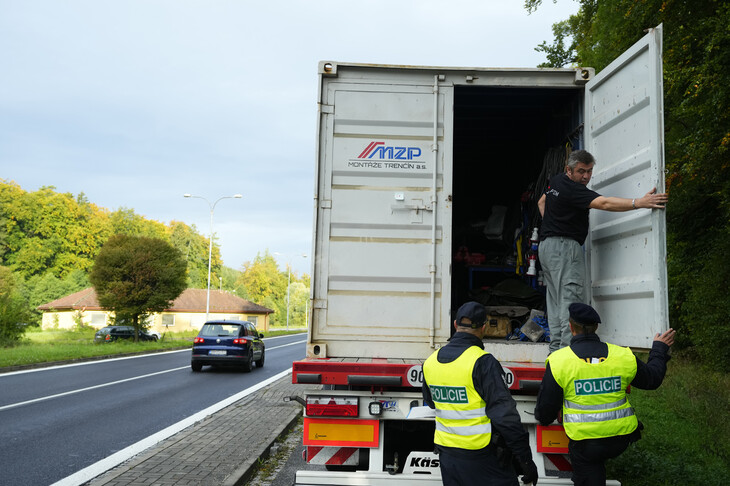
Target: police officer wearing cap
x=474, y=409
x=587, y=381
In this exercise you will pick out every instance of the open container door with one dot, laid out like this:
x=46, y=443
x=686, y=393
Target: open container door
x=624, y=130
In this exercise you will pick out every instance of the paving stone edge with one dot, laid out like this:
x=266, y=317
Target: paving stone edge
x=240, y=476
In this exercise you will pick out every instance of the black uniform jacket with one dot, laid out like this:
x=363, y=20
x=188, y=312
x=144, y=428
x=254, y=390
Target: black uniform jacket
x=648, y=375
x=489, y=383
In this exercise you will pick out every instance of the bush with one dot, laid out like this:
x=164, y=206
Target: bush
x=705, y=311
x=13, y=310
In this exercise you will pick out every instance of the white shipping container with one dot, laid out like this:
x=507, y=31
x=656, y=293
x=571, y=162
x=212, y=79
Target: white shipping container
x=409, y=157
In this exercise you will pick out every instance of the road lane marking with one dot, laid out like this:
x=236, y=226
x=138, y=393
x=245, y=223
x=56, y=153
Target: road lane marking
x=100, y=467
x=93, y=362
x=72, y=392
x=285, y=345
x=80, y=390
x=107, y=360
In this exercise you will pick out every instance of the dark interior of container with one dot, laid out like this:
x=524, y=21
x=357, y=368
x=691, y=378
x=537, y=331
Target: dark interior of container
x=507, y=143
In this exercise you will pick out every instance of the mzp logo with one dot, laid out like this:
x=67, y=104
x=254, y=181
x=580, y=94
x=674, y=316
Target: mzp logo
x=381, y=151
x=378, y=155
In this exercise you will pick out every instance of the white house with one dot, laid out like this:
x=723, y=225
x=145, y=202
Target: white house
x=187, y=311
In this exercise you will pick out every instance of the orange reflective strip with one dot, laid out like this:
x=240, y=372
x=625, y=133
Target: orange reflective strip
x=341, y=432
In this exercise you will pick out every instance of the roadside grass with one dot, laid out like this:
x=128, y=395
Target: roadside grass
x=267, y=468
x=53, y=345
x=686, y=439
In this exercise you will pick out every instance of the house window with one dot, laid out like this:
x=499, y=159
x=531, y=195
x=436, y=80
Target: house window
x=168, y=320
x=252, y=319
x=98, y=319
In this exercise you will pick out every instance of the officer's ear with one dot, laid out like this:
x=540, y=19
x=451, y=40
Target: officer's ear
x=456, y=326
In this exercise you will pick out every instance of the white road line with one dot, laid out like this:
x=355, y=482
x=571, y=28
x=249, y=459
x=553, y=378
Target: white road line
x=117, y=458
x=285, y=345
x=107, y=360
x=87, y=363
x=72, y=392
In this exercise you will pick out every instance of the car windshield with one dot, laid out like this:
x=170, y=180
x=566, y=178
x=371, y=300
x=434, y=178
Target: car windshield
x=105, y=330
x=220, y=330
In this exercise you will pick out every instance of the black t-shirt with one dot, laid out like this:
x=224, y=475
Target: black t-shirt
x=566, y=209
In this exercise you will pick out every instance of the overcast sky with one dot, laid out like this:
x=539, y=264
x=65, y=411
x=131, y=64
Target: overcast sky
x=136, y=102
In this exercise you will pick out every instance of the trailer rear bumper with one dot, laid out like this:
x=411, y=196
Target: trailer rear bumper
x=364, y=478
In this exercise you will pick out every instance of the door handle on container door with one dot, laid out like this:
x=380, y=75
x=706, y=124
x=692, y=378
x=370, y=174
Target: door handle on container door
x=410, y=207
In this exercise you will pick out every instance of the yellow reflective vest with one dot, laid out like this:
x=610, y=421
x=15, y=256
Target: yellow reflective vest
x=595, y=404
x=460, y=416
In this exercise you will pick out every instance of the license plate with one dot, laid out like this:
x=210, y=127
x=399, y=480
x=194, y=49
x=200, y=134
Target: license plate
x=216, y=352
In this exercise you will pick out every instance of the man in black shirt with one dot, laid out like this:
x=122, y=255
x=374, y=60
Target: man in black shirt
x=564, y=208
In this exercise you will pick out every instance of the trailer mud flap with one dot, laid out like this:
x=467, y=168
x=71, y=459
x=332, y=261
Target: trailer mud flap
x=419, y=462
x=332, y=456
x=341, y=433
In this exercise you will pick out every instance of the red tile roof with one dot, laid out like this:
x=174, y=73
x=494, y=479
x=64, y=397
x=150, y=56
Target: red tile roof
x=191, y=300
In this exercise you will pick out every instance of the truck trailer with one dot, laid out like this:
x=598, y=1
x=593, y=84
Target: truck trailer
x=425, y=197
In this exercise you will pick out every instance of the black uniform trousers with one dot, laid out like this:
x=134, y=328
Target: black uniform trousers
x=475, y=470
x=588, y=458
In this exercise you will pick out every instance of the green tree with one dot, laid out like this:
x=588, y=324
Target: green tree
x=49, y=231
x=125, y=221
x=50, y=241
x=558, y=54
x=136, y=276
x=194, y=248
x=230, y=276
x=299, y=295
x=41, y=289
x=13, y=309
x=262, y=283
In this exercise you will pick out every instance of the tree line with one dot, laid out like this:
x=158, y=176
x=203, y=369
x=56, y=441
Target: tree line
x=49, y=242
x=696, y=61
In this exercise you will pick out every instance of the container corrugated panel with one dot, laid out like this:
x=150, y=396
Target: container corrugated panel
x=378, y=232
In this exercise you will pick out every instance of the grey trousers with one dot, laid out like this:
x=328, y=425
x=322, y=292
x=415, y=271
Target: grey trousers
x=564, y=273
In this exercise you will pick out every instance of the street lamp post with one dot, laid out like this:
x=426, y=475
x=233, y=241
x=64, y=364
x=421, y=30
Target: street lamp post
x=288, y=285
x=210, y=242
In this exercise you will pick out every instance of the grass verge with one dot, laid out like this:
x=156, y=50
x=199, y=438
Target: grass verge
x=686, y=439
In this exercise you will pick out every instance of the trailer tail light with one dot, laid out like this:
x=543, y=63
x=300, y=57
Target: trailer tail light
x=323, y=406
x=198, y=340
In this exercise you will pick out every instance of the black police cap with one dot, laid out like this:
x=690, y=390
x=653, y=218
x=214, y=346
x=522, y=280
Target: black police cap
x=475, y=312
x=584, y=314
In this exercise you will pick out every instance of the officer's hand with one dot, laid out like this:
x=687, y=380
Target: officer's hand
x=529, y=472
x=666, y=337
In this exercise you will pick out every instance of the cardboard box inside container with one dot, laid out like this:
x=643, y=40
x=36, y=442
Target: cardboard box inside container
x=498, y=326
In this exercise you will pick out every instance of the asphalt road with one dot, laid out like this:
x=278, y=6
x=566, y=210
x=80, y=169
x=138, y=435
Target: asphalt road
x=56, y=421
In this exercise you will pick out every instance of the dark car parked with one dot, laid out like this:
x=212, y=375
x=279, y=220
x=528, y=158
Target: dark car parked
x=228, y=343
x=112, y=333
